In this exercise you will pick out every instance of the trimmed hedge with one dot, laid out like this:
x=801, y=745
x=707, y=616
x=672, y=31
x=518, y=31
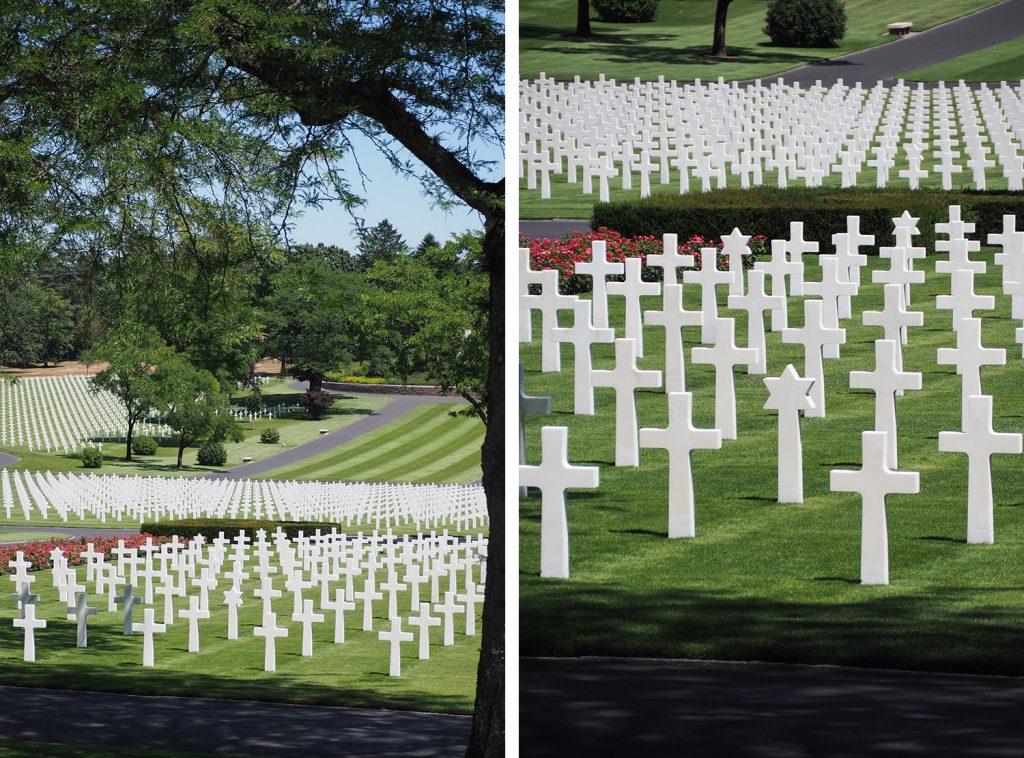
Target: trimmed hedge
x=209, y=528
x=92, y=457
x=212, y=454
x=144, y=445
x=626, y=11
x=270, y=436
x=823, y=211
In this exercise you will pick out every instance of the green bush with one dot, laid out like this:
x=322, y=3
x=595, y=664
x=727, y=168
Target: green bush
x=189, y=528
x=144, y=445
x=806, y=23
x=212, y=454
x=626, y=11
x=92, y=457
x=253, y=403
x=270, y=436
x=823, y=211
x=316, y=402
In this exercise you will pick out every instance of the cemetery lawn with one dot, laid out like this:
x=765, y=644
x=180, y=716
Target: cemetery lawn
x=677, y=44
x=568, y=201
x=351, y=674
x=347, y=409
x=772, y=582
x=424, y=445
x=6, y=537
x=1003, y=62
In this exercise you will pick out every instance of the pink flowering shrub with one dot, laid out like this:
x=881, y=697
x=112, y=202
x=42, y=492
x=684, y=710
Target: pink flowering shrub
x=564, y=254
x=38, y=552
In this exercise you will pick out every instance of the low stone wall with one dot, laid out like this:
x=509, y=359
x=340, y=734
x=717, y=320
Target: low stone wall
x=387, y=389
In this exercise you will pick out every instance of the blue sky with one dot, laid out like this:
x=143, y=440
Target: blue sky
x=398, y=199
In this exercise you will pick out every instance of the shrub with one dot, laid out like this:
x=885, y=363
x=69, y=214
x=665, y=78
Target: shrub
x=212, y=454
x=253, y=403
x=823, y=211
x=144, y=445
x=270, y=436
x=92, y=457
x=806, y=23
x=564, y=254
x=316, y=402
x=626, y=11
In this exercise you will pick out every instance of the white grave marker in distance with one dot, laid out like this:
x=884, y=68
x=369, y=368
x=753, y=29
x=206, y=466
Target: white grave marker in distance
x=625, y=379
x=549, y=302
x=734, y=247
x=396, y=637
x=679, y=438
x=553, y=476
x=962, y=301
x=778, y=267
x=788, y=394
x=423, y=622
x=873, y=482
x=796, y=247
x=81, y=612
x=270, y=631
x=980, y=443
x=307, y=618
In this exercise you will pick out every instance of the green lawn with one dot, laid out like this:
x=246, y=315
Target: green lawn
x=424, y=445
x=347, y=409
x=764, y=581
x=15, y=536
x=353, y=674
x=568, y=201
x=676, y=46
x=1003, y=62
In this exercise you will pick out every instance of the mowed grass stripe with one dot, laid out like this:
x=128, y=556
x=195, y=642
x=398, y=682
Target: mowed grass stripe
x=463, y=454
x=411, y=452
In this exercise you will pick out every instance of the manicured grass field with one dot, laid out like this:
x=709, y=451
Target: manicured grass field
x=347, y=409
x=568, y=201
x=677, y=44
x=354, y=673
x=1003, y=62
x=13, y=536
x=765, y=581
x=425, y=445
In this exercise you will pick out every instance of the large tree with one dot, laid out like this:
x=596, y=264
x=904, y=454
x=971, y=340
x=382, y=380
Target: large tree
x=127, y=125
x=718, y=44
x=131, y=354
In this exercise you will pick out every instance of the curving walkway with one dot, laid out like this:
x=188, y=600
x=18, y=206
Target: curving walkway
x=6, y=459
x=985, y=28
x=224, y=727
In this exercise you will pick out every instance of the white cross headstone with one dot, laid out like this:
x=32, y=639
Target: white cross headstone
x=29, y=623
x=396, y=637
x=270, y=631
x=527, y=276
x=599, y=269
x=339, y=606
x=147, y=628
x=549, y=302
x=778, y=267
x=962, y=301
x=368, y=594
x=969, y=356
x=830, y=289
x=582, y=335
x=448, y=609
x=797, y=246
x=886, y=381
x=673, y=317
x=670, y=259
x=709, y=278
x=980, y=443
x=734, y=247
x=423, y=622
x=193, y=613
x=80, y=612
x=233, y=599
x=873, y=482
x=788, y=394
x=755, y=302
x=553, y=476
x=633, y=288
x=851, y=260
x=813, y=336
x=679, y=438
x=529, y=405
x=724, y=355
x=307, y=618
x=625, y=379
x=129, y=602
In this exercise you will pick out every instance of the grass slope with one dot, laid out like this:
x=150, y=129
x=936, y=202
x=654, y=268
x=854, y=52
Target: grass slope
x=677, y=44
x=347, y=409
x=1003, y=62
x=424, y=445
x=766, y=581
x=353, y=674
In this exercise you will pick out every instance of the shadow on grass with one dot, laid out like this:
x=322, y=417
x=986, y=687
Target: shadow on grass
x=859, y=626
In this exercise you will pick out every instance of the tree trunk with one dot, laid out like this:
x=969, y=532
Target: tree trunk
x=283, y=365
x=582, y=18
x=316, y=383
x=182, y=444
x=488, y=733
x=718, y=46
x=131, y=430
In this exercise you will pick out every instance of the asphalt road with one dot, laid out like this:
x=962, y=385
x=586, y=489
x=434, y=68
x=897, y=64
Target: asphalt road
x=645, y=707
x=224, y=727
x=988, y=27
x=558, y=227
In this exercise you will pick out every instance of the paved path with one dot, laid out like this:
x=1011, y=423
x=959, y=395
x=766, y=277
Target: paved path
x=587, y=706
x=224, y=727
x=401, y=405
x=556, y=228
x=6, y=459
x=988, y=27
x=73, y=531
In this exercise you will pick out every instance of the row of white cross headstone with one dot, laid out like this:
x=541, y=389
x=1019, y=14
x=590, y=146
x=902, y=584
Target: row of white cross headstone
x=67, y=497
x=682, y=133
x=789, y=393
x=423, y=575
x=59, y=413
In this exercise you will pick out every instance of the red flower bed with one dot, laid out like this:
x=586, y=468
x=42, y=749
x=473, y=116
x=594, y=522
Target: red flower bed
x=564, y=254
x=38, y=552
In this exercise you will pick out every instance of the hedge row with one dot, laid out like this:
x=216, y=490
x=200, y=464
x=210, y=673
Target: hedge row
x=210, y=528
x=823, y=211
